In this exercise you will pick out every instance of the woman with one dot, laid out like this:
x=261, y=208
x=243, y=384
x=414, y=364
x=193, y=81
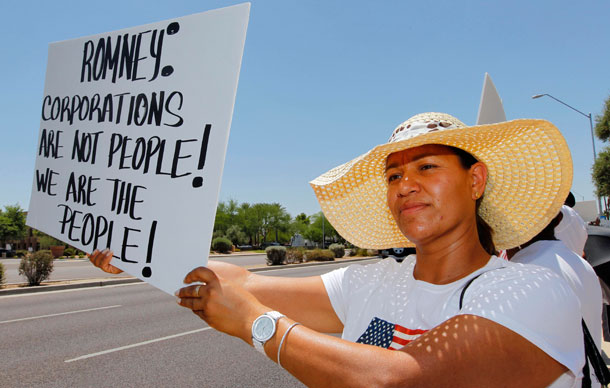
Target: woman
x=515, y=326
x=547, y=251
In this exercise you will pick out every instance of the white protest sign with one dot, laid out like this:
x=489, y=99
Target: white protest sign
x=133, y=135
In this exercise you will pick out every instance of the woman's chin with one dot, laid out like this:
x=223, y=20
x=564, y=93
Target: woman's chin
x=417, y=233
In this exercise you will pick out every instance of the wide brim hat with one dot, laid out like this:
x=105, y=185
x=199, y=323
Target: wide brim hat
x=529, y=176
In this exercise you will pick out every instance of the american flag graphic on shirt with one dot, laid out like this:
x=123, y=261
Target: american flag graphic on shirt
x=388, y=335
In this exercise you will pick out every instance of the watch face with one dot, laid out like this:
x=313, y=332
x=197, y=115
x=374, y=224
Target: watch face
x=264, y=328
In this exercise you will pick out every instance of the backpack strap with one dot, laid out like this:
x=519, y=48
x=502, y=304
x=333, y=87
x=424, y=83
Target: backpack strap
x=468, y=285
x=586, y=375
x=593, y=356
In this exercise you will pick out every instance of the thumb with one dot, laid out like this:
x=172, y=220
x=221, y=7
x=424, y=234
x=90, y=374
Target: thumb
x=201, y=274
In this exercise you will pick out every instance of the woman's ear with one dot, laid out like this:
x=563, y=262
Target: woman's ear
x=478, y=172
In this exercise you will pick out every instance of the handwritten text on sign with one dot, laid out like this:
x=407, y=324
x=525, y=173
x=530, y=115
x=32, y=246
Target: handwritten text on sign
x=134, y=128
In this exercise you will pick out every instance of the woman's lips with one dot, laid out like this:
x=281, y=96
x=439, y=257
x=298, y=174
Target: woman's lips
x=412, y=207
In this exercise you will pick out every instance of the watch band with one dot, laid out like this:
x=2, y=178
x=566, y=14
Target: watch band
x=274, y=316
x=260, y=346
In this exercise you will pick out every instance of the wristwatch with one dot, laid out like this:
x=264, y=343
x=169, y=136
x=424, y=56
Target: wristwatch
x=263, y=328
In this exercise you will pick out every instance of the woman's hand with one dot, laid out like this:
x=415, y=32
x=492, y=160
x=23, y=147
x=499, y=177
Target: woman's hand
x=102, y=261
x=223, y=304
x=302, y=299
x=232, y=272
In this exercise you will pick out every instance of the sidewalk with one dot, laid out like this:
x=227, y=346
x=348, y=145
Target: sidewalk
x=127, y=279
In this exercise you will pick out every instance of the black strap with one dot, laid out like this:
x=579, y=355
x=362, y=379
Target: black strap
x=586, y=375
x=468, y=285
x=470, y=282
x=595, y=358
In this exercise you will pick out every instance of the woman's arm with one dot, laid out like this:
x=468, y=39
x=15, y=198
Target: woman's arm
x=464, y=351
x=304, y=299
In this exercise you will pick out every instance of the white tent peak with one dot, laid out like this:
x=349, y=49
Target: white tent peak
x=491, y=109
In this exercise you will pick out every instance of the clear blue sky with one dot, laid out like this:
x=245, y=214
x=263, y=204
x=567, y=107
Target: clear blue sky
x=324, y=81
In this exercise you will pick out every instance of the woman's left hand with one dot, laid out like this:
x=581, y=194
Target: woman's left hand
x=224, y=305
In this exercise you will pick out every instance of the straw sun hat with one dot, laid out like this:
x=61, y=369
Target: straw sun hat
x=529, y=176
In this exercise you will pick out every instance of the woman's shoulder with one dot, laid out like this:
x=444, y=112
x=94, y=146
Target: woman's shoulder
x=375, y=272
x=535, y=303
x=529, y=284
x=503, y=271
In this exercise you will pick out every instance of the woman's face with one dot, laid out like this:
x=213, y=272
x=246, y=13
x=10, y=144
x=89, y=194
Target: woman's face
x=430, y=193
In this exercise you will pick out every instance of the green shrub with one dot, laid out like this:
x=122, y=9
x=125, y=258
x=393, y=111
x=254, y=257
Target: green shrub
x=276, y=255
x=294, y=255
x=46, y=241
x=70, y=252
x=222, y=245
x=2, y=277
x=21, y=253
x=37, y=267
x=319, y=255
x=338, y=250
x=361, y=252
x=364, y=252
x=236, y=235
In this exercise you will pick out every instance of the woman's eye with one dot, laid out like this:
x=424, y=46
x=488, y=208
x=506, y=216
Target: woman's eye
x=393, y=177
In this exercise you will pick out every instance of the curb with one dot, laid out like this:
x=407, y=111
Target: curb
x=112, y=282
x=67, y=286
x=274, y=267
x=244, y=253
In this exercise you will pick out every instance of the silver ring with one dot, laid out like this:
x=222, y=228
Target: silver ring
x=197, y=291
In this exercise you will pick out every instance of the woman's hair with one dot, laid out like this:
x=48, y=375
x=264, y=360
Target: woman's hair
x=484, y=230
x=548, y=233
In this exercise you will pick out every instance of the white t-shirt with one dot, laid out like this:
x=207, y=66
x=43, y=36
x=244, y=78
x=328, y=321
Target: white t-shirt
x=382, y=304
x=572, y=230
x=579, y=275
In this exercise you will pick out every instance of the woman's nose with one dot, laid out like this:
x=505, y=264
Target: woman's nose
x=407, y=185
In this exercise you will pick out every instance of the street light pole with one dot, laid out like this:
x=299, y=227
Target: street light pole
x=589, y=116
x=323, y=238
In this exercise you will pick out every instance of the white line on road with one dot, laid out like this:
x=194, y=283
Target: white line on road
x=58, y=314
x=136, y=345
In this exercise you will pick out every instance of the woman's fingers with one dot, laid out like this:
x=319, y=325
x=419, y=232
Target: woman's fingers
x=195, y=304
x=194, y=298
x=201, y=274
x=101, y=259
x=105, y=263
x=224, y=305
x=96, y=257
x=195, y=291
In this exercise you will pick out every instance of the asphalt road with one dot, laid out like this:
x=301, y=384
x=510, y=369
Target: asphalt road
x=83, y=269
x=126, y=336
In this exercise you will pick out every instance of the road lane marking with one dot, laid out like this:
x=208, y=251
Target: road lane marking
x=58, y=314
x=136, y=344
